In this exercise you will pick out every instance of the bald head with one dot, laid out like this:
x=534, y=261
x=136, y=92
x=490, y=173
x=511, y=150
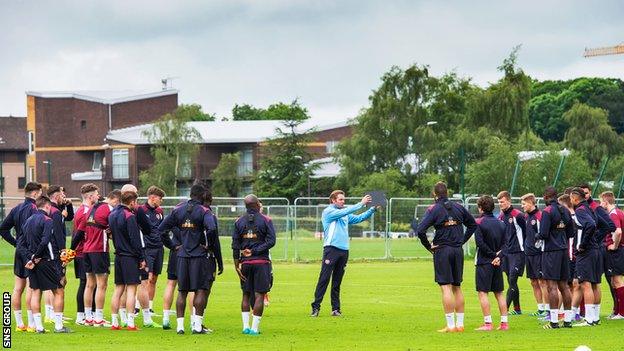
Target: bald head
x=252, y=202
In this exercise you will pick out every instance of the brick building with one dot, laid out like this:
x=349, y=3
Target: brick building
x=66, y=132
x=246, y=137
x=13, y=150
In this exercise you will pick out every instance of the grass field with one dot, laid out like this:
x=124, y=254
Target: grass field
x=386, y=305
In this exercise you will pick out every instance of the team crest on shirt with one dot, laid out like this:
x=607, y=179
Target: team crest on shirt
x=510, y=220
x=327, y=261
x=533, y=222
x=159, y=216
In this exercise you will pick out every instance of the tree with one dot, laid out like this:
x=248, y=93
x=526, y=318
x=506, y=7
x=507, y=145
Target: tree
x=193, y=112
x=225, y=179
x=174, y=146
x=590, y=133
x=391, y=181
x=279, y=111
x=285, y=168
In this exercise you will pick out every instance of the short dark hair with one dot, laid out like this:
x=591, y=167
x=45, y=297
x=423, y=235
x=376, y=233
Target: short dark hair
x=252, y=202
x=440, y=190
x=334, y=194
x=208, y=197
x=486, y=203
x=578, y=191
x=550, y=193
x=87, y=188
x=52, y=189
x=504, y=194
x=32, y=186
x=568, y=190
x=197, y=192
x=154, y=190
x=115, y=194
x=42, y=201
x=584, y=186
x=127, y=197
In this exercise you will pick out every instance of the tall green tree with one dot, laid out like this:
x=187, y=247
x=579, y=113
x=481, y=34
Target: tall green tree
x=174, y=146
x=193, y=112
x=590, y=133
x=279, y=111
x=225, y=179
x=285, y=169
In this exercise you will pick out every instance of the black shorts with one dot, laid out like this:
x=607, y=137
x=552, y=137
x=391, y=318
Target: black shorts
x=448, y=264
x=614, y=262
x=258, y=278
x=534, y=266
x=79, y=268
x=154, y=259
x=172, y=264
x=555, y=265
x=489, y=278
x=45, y=276
x=513, y=264
x=127, y=270
x=19, y=268
x=97, y=262
x=195, y=273
x=588, y=266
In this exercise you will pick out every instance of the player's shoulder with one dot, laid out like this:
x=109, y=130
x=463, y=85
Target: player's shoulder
x=515, y=212
x=265, y=217
x=479, y=220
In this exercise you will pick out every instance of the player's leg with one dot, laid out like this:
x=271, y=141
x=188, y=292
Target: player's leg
x=618, y=284
x=485, y=308
x=29, y=312
x=151, y=289
x=143, y=298
x=513, y=295
x=167, y=301
x=16, y=301
x=327, y=267
x=116, y=301
x=502, y=308
x=130, y=299
x=199, y=303
x=553, y=299
x=80, y=309
x=448, y=304
x=100, y=297
x=458, y=304
x=180, y=307
x=59, y=306
x=544, y=294
x=48, y=296
x=337, y=275
x=537, y=293
x=261, y=286
x=588, y=297
x=88, y=297
x=35, y=306
x=123, y=312
x=596, y=290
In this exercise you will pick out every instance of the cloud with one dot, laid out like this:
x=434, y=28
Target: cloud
x=328, y=54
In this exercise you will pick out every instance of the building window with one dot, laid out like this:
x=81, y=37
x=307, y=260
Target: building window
x=83, y=124
x=21, y=182
x=97, y=161
x=120, y=164
x=184, y=190
x=245, y=165
x=186, y=167
x=330, y=146
x=31, y=142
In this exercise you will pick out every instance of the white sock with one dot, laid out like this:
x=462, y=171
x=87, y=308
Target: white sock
x=88, y=314
x=540, y=306
x=147, y=316
x=487, y=319
x=31, y=319
x=151, y=304
x=123, y=315
x=450, y=320
x=99, y=315
x=504, y=319
x=115, y=319
x=567, y=317
x=37, y=320
x=80, y=316
x=137, y=304
x=193, y=319
x=255, y=324
x=180, y=324
x=18, y=319
x=245, y=320
x=130, y=320
x=554, y=315
x=576, y=310
x=589, y=313
x=58, y=321
x=460, y=319
x=597, y=312
x=49, y=311
x=165, y=316
x=199, y=320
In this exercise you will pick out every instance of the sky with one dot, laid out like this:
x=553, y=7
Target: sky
x=329, y=55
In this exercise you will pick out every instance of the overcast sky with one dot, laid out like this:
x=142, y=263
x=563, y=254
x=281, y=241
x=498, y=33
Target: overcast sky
x=328, y=54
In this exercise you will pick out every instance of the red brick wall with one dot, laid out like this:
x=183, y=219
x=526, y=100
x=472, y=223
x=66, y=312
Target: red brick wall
x=137, y=112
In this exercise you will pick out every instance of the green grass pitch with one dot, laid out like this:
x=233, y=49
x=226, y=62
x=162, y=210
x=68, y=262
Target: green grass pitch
x=386, y=306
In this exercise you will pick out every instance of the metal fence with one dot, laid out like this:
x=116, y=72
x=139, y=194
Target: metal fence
x=299, y=229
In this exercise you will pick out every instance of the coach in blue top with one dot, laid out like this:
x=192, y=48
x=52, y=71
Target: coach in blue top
x=336, y=219
x=448, y=218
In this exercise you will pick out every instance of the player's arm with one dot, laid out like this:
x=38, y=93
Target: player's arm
x=522, y=224
x=331, y=214
x=484, y=248
x=212, y=231
x=421, y=230
x=355, y=219
x=78, y=236
x=269, y=239
x=604, y=223
x=70, y=212
x=236, y=243
x=216, y=245
x=470, y=223
x=164, y=228
x=588, y=226
x=143, y=221
x=544, y=226
x=135, y=236
x=5, y=228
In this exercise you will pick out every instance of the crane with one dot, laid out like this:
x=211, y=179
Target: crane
x=607, y=50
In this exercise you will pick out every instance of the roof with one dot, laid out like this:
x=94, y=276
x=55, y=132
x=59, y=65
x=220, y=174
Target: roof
x=222, y=132
x=13, y=134
x=104, y=97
